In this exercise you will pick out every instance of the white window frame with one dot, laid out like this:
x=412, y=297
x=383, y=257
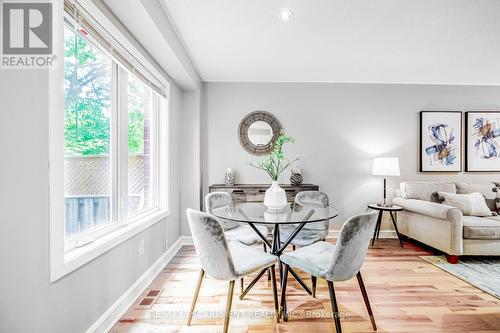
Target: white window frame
x=65, y=255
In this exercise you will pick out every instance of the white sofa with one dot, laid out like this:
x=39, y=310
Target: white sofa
x=444, y=227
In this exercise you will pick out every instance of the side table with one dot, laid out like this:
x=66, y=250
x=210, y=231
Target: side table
x=392, y=211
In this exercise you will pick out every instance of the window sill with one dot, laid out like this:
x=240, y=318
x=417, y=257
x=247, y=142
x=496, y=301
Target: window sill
x=80, y=256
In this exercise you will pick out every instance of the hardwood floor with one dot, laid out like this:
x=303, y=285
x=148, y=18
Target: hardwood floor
x=407, y=294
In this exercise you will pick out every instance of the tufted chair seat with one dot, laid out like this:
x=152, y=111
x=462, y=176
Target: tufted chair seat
x=304, y=237
x=245, y=234
x=248, y=259
x=314, y=259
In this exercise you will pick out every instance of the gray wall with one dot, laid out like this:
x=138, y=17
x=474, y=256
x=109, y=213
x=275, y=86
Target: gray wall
x=190, y=158
x=175, y=126
x=29, y=302
x=339, y=128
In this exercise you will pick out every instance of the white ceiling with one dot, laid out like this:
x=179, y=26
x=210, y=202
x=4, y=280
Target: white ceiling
x=393, y=41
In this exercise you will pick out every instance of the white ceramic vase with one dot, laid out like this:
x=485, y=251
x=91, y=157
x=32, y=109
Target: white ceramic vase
x=275, y=197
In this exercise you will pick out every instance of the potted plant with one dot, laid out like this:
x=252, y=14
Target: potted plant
x=274, y=164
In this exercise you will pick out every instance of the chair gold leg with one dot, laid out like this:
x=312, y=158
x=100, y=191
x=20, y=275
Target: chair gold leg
x=275, y=293
x=227, y=315
x=195, y=297
x=242, y=283
x=367, y=301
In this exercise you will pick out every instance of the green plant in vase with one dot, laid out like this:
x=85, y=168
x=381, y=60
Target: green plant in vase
x=274, y=165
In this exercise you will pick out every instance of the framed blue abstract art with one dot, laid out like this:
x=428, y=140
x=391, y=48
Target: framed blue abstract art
x=440, y=141
x=482, y=141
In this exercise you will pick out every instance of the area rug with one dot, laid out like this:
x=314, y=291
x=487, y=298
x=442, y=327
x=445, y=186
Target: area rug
x=483, y=273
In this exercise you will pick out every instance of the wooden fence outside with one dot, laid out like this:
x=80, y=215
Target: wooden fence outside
x=87, y=190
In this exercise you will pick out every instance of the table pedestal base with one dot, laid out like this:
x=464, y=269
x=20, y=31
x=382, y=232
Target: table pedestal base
x=277, y=248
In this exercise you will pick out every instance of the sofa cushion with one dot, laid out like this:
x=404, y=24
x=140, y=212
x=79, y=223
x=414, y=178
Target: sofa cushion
x=494, y=218
x=485, y=189
x=481, y=228
x=472, y=204
x=425, y=190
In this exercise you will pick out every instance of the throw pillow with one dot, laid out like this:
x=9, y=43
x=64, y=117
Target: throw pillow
x=497, y=199
x=485, y=188
x=437, y=198
x=472, y=204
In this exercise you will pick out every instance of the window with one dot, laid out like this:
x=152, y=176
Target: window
x=88, y=92
x=111, y=138
x=140, y=158
x=108, y=151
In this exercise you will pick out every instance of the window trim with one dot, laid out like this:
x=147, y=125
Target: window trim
x=81, y=256
x=63, y=262
x=88, y=236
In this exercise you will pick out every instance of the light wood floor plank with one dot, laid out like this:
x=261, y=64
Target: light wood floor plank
x=407, y=295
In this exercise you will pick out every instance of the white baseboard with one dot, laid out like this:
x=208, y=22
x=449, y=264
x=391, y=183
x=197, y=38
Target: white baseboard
x=122, y=304
x=383, y=234
x=186, y=240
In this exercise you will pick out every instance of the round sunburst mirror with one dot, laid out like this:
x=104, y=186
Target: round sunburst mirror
x=258, y=132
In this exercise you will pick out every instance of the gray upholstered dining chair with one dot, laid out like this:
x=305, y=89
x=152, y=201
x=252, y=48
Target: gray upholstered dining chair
x=311, y=232
x=339, y=262
x=233, y=230
x=224, y=260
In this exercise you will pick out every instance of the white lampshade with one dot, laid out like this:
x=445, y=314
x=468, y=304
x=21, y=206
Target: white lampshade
x=385, y=166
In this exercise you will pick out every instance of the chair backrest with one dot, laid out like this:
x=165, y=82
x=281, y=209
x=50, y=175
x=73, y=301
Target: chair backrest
x=211, y=246
x=314, y=199
x=351, y=247
x=215, y=200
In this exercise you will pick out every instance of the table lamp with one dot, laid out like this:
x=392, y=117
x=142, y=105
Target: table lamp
x=385, y=166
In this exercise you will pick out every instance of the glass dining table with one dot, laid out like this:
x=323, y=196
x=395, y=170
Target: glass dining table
x=293, y=215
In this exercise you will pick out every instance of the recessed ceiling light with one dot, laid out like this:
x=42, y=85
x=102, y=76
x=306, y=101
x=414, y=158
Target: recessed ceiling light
x=286, y=15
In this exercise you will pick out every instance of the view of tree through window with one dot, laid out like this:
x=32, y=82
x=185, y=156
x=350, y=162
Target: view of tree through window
x=87, y=106
x=139, y=146
x=136, y=105
x=87, y=97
